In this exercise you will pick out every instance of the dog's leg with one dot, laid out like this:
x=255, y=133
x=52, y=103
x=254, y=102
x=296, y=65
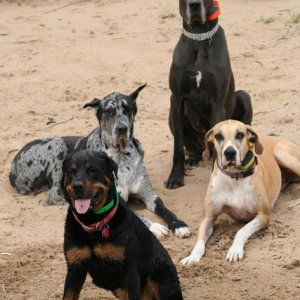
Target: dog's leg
x=243, y=108
x=54, y=184
x=164, y=283
x=287, y=155
x=218, y=113
x=175, y=179
x=74, y=281
x=205, y=231
x=236, y=251
x=133, y=280
x=178, y=227
x=145, y=192
x=157, y=229
x=194, y=144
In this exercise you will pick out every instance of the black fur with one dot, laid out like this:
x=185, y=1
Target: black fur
x=145, y=262
x=198, y=106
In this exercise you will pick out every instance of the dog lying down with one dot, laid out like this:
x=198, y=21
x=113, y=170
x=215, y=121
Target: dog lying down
x=38, y=165
x=104, y=239
x=245, y=182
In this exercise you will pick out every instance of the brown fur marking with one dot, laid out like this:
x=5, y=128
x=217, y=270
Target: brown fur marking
x=71, y=296
x=75, y=255
x=94, y=187
x=120, y=294
x=110, y=252
x=151, y=291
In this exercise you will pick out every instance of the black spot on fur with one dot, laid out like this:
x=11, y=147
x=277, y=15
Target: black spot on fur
x=61, y=156
x=29, y=163
x=49, y=147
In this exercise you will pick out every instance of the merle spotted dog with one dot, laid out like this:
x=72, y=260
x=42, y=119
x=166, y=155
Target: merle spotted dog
x=38, y=165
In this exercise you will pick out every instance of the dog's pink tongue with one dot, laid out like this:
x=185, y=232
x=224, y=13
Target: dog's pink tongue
x=82, y=205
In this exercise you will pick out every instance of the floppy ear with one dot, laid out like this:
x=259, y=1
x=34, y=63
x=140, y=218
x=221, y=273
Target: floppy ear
x=209, y=145
x=66, y=162
x=253, y=139
x=96, y=103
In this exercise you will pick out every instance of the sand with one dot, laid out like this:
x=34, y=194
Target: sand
x=57, y=55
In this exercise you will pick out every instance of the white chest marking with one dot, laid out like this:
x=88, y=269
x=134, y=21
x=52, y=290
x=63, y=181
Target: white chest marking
x=238, y=194
x=198, y=79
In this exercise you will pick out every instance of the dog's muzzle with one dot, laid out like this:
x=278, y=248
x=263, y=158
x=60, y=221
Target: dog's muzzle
x=122, y=136
x=83, y=199
x=195, y=11
x=230, y=157
x=194, y=5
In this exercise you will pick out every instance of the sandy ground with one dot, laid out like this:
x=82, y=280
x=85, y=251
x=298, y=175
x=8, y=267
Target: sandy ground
x=57, y=55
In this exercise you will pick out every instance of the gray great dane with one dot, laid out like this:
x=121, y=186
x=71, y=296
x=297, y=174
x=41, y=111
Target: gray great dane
x=202, y=85
x=38, y=165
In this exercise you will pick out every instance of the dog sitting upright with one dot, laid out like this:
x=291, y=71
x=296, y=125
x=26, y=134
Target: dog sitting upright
x=38, y=164
x=202, y=85
x=104, y=239
x=245, y=182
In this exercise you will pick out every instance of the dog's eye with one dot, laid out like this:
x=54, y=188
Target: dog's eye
x=72, y=171
x=110, y=111
x=126, y=109
x=239, y=135
x=92, y=171
x=219, y=137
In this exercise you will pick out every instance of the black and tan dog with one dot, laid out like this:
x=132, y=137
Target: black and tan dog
x=202, y=85
x=104, y=239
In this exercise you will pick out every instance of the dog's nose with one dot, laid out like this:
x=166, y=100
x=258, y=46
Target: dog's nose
x=194, y=5
x=78, y=186
x=230, y=154
x=122, y=130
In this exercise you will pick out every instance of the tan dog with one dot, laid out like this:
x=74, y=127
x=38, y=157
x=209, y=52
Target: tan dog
x=245, y=182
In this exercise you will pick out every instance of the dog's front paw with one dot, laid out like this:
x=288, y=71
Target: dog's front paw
x=174, y=182
x=196, y=254
x=183, y=232
x=235, y=253
x=57, y=200
x=191, y=162
x=192, y=259
x=160, y=231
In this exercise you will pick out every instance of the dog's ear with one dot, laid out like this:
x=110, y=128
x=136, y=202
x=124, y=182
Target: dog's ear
x=94, y=103
x=112, y=165
x=135, y=94
x=97, y=104
x=209, y=144
x=66, y=162
x=253, y=139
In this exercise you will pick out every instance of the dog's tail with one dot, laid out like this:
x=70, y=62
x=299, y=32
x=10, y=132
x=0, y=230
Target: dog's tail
x=243, y=111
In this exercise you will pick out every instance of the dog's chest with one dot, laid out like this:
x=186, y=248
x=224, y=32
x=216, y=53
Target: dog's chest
x=129, y=162
x=107, y=265
x=237, y=198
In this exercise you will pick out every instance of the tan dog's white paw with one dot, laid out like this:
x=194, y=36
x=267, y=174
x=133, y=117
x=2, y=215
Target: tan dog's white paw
x=196, y=254
x=190, y=260
x=235, y=253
